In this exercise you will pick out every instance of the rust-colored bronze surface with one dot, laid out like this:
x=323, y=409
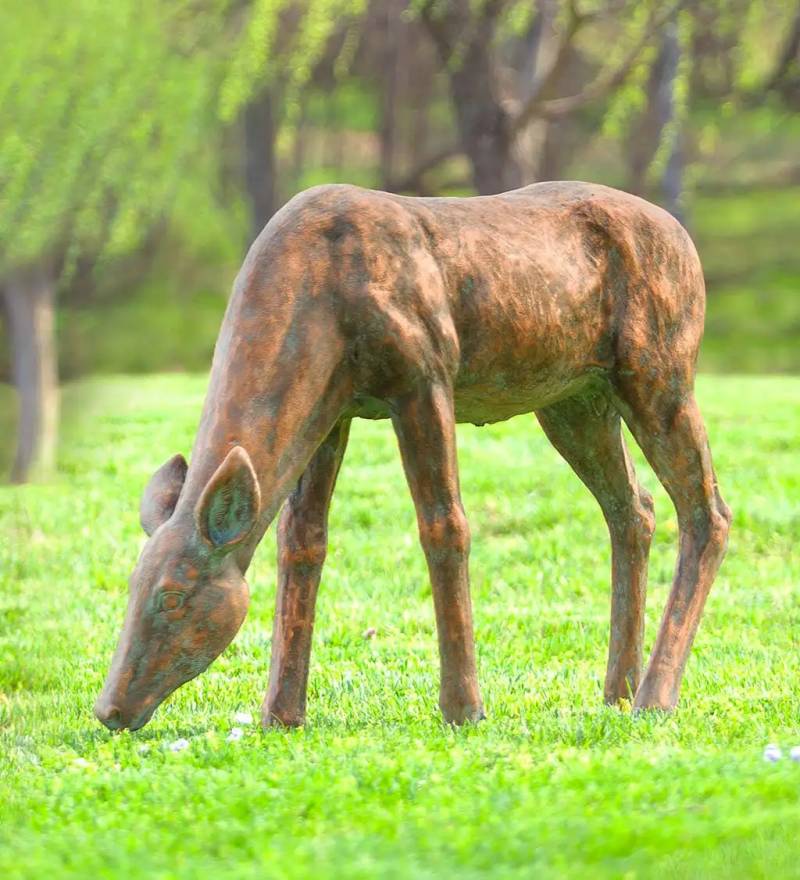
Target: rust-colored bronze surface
x=577, y=302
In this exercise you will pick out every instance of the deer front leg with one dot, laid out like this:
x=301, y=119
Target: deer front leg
x=302, y=545
x=425, y=427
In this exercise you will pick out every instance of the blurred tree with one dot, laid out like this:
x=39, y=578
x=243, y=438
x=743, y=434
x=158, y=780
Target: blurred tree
x=653, y=135
x=722, y=54
x=395, y=61
x=646, y=132
x=104, y=107
x=260, y=134
x=111, y=113
x=125, y=122
x=492, y=118
x=785, y=78
x=282, y=43
x=746, y=50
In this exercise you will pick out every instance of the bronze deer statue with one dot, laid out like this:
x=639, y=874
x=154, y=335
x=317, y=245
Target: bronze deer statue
x=577, y=302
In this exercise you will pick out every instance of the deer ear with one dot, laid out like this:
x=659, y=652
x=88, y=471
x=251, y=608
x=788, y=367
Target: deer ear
x=231, y=501
x=161, y=493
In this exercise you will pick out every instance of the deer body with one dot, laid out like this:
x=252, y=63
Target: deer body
x=574, y=301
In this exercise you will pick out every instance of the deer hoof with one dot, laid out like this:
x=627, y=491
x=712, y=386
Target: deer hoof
x=276, y=718
x=655, y=696
x=458, y=712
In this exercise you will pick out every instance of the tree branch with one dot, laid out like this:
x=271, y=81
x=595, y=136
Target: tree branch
x=789, y=56
x=436, y=29
x=574, y=23
x=412, y=180
x=606, y=82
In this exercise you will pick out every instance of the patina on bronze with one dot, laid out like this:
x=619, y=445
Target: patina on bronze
x=574, y=301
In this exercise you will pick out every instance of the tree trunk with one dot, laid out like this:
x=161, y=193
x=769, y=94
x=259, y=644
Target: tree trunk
x=388, y=125
x=659, y=112
x=672, y=179
x=786, y=78
x=564, y=72
x=30, y=306
x=464, y=44
x=300, y=142
x=260, y=134
x=484, y=125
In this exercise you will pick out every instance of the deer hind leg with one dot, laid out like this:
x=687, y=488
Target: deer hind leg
x=302, y=545
x=425, y=428
x=666, y=421
x=587, y=431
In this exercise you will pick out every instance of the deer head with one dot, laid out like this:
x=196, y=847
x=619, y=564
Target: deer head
x=188, y=597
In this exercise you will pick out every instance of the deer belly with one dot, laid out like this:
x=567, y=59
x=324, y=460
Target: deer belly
x=517, y=366
x=504, y=396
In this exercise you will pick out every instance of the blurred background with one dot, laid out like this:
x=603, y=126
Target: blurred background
x=144, y=143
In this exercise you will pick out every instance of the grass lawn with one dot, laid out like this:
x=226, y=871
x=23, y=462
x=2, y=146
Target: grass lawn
x=553, y=784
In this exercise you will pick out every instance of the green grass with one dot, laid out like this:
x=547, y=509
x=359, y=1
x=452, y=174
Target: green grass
x=553, y=784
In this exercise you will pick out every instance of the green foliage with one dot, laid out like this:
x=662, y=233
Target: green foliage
x=105, y=110
x=757, y=31
x=519, y=17
x=249, y=66
x=108, y=338
x=552, y=785
x=747, y=37
x=630, y=99
x=116, y=116
x=113, y=113
x=351, y=107
x=281, y=42
x=747, y=242
x=750, y=32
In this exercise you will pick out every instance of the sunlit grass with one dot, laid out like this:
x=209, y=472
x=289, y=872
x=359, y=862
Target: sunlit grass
x=553, y=784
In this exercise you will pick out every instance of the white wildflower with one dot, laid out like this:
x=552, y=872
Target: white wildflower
x=179, y=745
x=772, y=753
x=243, y=718
x=235, y=735
x=795, y=754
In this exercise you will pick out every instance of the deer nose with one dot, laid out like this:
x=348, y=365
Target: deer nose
x=108, y=714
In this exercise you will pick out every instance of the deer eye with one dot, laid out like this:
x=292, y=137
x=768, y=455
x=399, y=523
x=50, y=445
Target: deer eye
x=170, y=600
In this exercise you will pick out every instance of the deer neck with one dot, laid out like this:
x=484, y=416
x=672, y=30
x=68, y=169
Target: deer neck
x=278, y=386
